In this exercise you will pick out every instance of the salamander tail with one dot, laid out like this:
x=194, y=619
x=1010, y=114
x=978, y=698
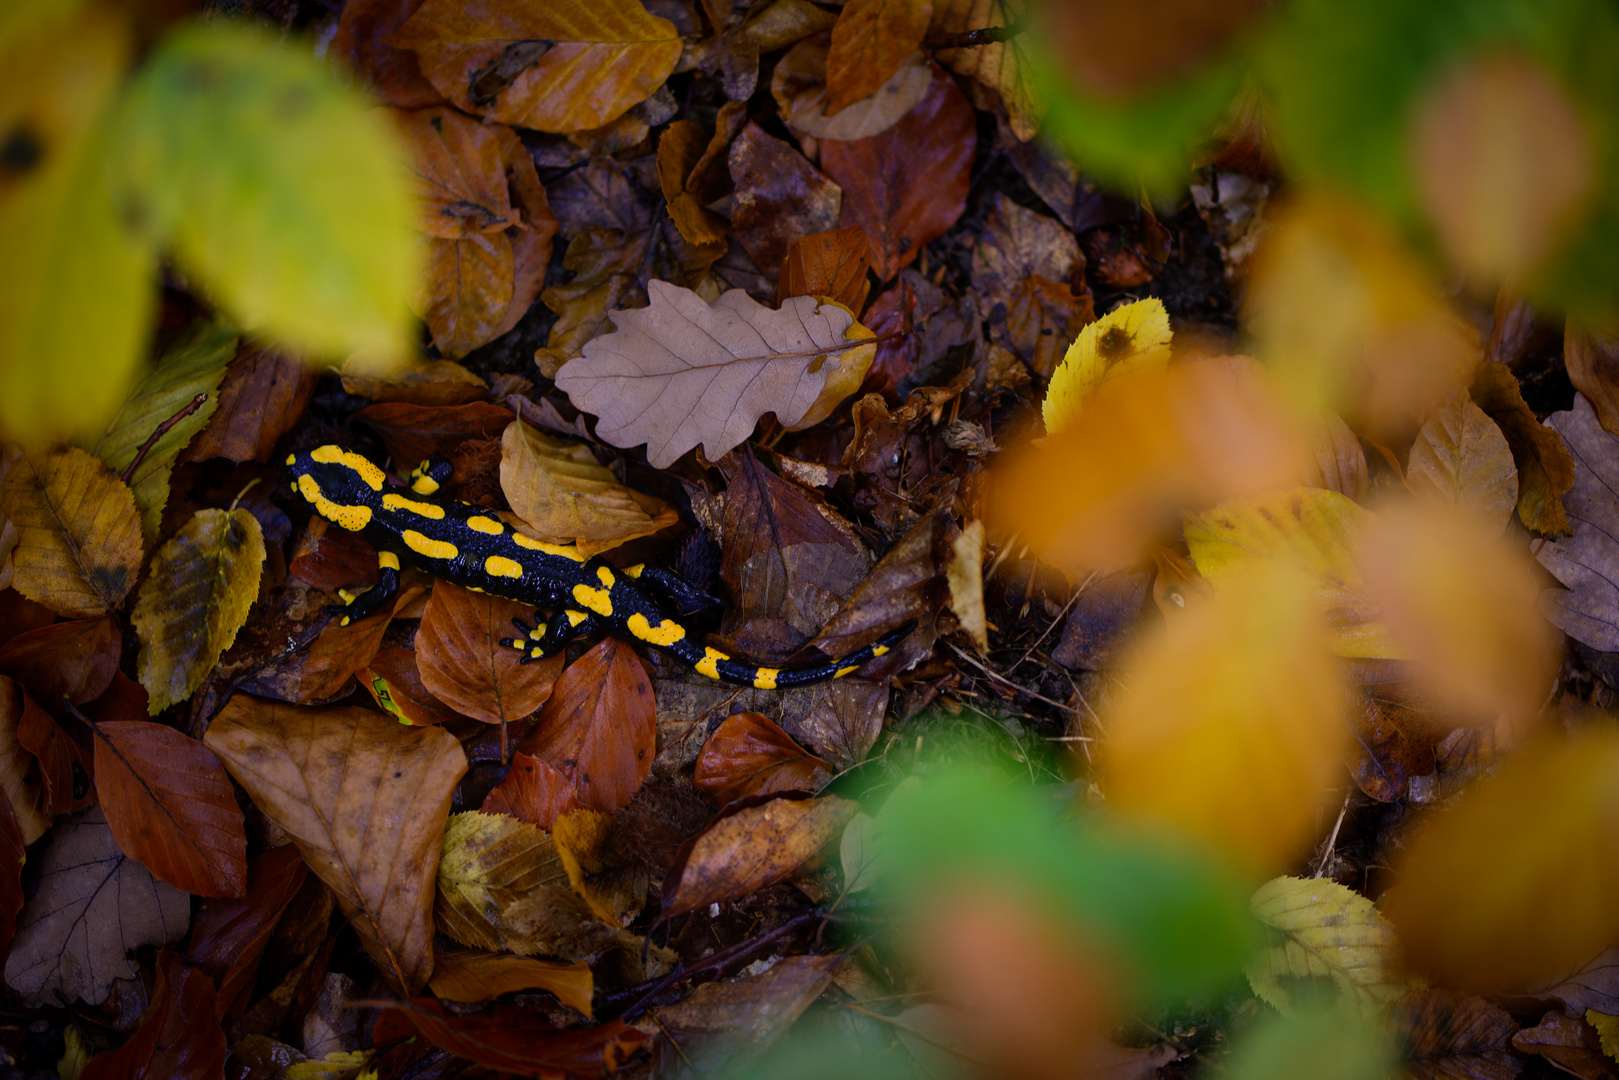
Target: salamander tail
x=709, y=661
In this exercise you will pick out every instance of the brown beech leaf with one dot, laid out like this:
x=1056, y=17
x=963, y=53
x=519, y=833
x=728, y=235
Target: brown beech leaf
x=799, y=86
x=1445, y=1035
x=724, y=1026
x=768, y=28
x=1002, y=66
x=750, y=755
x=169, y=804
x=779, y=195
x=79, y=535
x=178, y=1038
x=263, y=395
x=394, y=681
x=434, y=382
x=565, y=495
x=750, y=847
x=534, y=791
x=1018, y=242
x=66, y=769
x=94, y=907
x=1545, y=467
x=365, y=800
x=331, y=558
x=229, y=935
x=1592, y=361
x=512, y=1039
x=1568, y=1042
x=683, y=372
x=1461, y=458
x=908, y=185
x=870, y=40
x=321, y=671
x=600, y=727
x=1340, y=463
x=463, y=664
x=551, y=65
x=474, y=975
x=393, y=73
x=681, y=148
x=19, y=776
x=414, y=433
x=1587, y=563
x=75, y=660
x=831, y=264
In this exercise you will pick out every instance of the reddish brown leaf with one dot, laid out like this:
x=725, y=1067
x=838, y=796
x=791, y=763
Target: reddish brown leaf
x=179, y=1039
x=19, y=775
x=66, y=768
x=12, y=855
x=73, y=659
x=229, y=935
x=330, y=558
x=1445, y=1035
x=869, y=42
x=534, y=791
x=263, y=395
x=1569, y=1043
x=600, y=728
x=463, y=664
x=474, y=975
x=321, y=672
x=18, y=614
x=750, y=755
x=414, y=433
x=394, y=74
x=171, y=806
x=894, y=312
x=750, y=847
x=512, y=1039
x=831, y=263
x=393, y=680
x=908, y=185
x=779, y=195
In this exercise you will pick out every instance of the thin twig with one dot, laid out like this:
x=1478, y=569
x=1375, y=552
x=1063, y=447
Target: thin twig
x=1008, y=682
x=162, y=429
x=1332, y=841
x=1072, y=600
x=970, y=39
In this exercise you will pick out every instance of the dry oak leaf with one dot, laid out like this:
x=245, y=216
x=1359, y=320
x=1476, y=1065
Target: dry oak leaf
x=79, y=535
x=870, y=40
x=198, y=590
x=178, y=1038
x=1587, y=562
x=534, y=791
x=1461, y=458
x=1446, y=1035
x=551, y=65
x=94, y=907
x=600, y=727
x=681, y=371
x=19, y=779
x=474, y=975
x=512, y=1039
x=463, y=664
x=754, y=845
x=1320, y=931
x=748, y=754
x=170, y=805
x=564, y=494
x=365, y=800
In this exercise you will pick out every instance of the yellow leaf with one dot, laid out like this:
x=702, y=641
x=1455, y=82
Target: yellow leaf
x=1229, y=724
x=471, y=975
x=1319, y=931
x=614, y=887
x=75, y=311
x=1003, y=66
x=283, y=192
x=79, y=537
x=196, y=596
x=561, y=491
x=337, y=1065
x=1134, y=337
x=1607, y=1029
x=1311, y=530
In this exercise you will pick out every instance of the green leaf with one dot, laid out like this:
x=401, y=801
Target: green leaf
x=195, y=598
x=1324, y=1046
x=194, y=365
x=78, y=295
x=283, y=192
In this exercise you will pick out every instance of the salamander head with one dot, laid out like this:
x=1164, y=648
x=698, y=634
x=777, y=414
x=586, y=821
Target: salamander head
x=340, y=485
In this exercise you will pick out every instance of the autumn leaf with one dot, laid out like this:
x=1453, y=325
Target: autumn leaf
x=870, y=40
x=681, y=372
x=169, y=804
x=597, y=60
x=534, y=791
x=514, y=1040
x=749, y=755
x=471, y=975
x=599, y=728
x=1134, y=337
x=777, y=196
x=12, y=857
x=394, y=681
x=414, y=433
x=1545, y=467
x=93, y=907
x=727, y=1024
x=76, y=660
x=1588, y=609
x=612, y=880
x=365, y=800
x=1002, y=66
x=228, y=936
x=262, y=397
x=1461, y=458
x=178, y=1038
x=799, y=86
x=831, y=264
x=79, y=545
x=436, y=382
x=19, y=778
x=196, y=596
x=1445, y=1034
x=680, y=149
x=463, y=664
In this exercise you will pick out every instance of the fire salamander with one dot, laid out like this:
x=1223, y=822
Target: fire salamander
x=461, y=543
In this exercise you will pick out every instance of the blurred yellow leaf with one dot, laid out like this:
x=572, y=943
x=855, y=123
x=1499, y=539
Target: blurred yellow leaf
x=1230, y=726
x=1310, y=530
x=1134, y=337
x=1516, y=883
x=1503, y=163
x=1460, y=458
x=1321, y=932
x=75, y=311
x=284, y=193
x=195, y=598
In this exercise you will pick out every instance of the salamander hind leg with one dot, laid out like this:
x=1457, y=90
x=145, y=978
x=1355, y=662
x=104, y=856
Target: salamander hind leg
x=362, y=605
x=549, y=637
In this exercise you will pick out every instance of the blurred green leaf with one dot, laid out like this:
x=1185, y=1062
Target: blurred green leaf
x=1322, y=1046
x=280, y=190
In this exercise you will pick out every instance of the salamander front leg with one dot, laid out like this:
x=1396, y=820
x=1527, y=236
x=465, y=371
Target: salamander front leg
x=361, y=605
x=548, y=638
x=431, y=475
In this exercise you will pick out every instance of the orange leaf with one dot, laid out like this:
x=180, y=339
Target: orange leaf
x=463, y=664
x=870, y=40
x=533, y=791
x=178, y=1039
x=263, y=395
x=473, y=975
x=750, y=755
x=170, y=805
x=394, y=74
x=831, y=263
x=512, y=1039
x=79, y=534
x=600, y=728
x=229, y=935
x=74, y=659
x=393, y=680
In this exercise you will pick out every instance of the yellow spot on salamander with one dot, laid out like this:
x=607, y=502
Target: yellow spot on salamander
x=424, y=485
x=352, y=518
x=665, y=633
x=500, y=566
x=881, y=650
x=387, y=560
x=567, y=552
x=635, y=571
x=765, y=678
x=426, y=510
x=336, y=455
x=595, y=600
x=842, y=671
x=605, y=576
x=479, y=523
x=575, y=617
x=426, y=545
x=708, y=664
x=538, y=633
x=292, y=459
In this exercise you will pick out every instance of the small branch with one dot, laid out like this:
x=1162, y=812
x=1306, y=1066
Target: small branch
x=162, y=430
x=989, y=35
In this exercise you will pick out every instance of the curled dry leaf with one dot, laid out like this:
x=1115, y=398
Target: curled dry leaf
x=600, y=727
x=263, y=395
x=799, y=86
x=178, y=1038
x=365, y=800
x=196, y=596
x=66, y=768
x=79, y=535
x=1545, y=467
x=93, y=908
x=682, y=372
x=1587, y=563
x=19, y=780
x=1461, y=458
x=473, y=975
x=1592, y=361
x=752, y=846
x=229, y=935
x=513, y=1040
x=395, y=683
x=76, y=660
x=870, y=40
x=680, y=149
x=169, y=804
x=463, y=664
x=534, y=791
x=749, y=755
x=551, y=65
x=965, y=575
x=321, y=671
